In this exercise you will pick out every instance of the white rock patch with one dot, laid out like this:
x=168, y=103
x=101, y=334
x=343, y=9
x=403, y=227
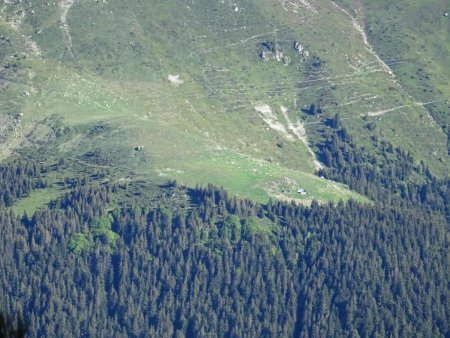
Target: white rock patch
x=175, y=80
x=272, y=121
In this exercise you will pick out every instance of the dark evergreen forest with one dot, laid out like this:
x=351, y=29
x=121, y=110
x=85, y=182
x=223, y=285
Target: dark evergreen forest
x=105, y=261
x=18, y=180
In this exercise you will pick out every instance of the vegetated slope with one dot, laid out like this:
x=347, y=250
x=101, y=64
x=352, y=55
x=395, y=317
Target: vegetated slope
x=202, y=91
x=106, y=260
x=412, y=37
x=415, y=36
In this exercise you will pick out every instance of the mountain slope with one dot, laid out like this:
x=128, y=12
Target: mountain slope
x=203, y=91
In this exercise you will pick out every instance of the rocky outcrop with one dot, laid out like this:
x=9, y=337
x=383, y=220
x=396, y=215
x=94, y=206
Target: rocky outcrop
x=301, y=51
x=272, y=51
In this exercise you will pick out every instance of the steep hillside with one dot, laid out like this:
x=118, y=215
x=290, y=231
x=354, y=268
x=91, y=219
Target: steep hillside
x=237, y=94
x=415, y=35
x=412, y=37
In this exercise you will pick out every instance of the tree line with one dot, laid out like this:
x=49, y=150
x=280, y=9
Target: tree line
x=227, y=267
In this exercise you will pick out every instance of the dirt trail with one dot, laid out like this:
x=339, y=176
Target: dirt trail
x=65, y=6
x=418, y=104
x=363, y=34
x=382, y=112
x=240, y=42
